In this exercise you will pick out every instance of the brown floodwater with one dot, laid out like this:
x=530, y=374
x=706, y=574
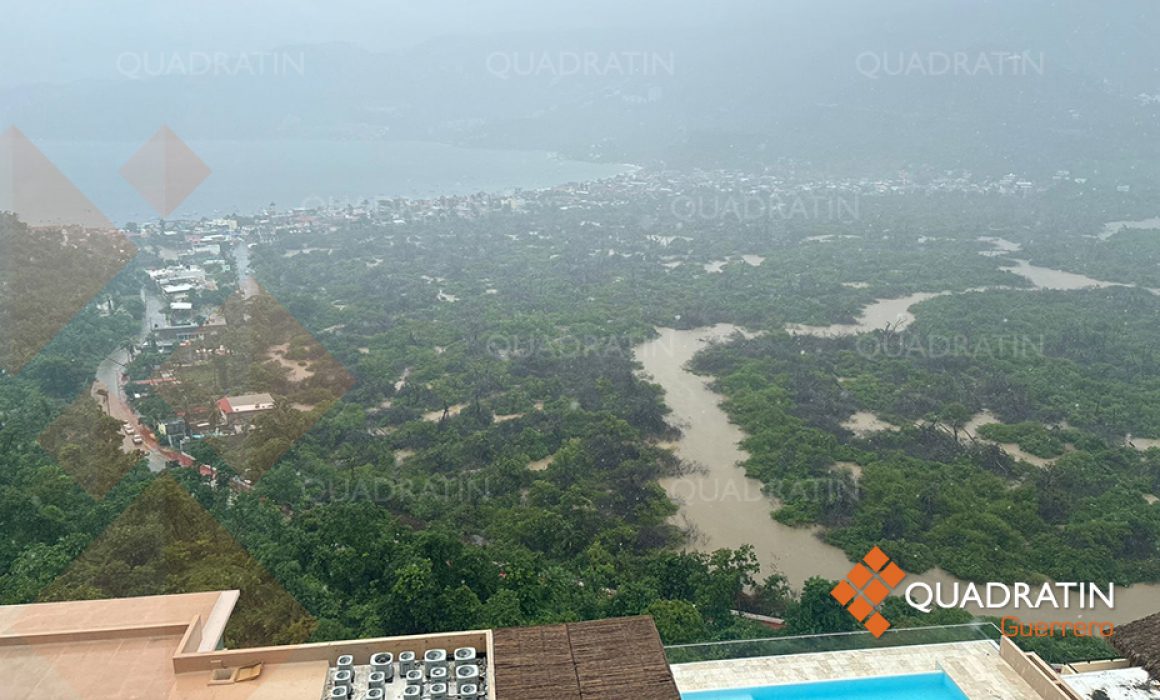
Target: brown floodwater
x=720, y=503
x=1050, y=278
x=971, y=429
x=894, y=313
x=1113, y=227
x=724, y=508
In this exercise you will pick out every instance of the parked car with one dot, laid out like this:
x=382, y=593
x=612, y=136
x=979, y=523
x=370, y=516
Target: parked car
x=137, y=440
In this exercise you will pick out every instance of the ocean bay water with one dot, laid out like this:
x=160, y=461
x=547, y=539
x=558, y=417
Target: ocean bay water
x=249, y=176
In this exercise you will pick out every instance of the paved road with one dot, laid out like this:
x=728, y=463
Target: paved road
x=110, y=379
x=108, y=387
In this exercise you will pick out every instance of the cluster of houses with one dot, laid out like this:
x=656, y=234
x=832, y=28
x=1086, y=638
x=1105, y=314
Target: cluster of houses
x=235, y=415
x=176, y=285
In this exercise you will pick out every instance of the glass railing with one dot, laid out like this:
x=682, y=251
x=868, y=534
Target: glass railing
x=841, y=641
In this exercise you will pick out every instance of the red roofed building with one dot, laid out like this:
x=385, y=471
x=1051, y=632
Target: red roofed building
x=238, y=412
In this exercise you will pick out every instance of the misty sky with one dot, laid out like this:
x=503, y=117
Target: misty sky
x=64, y=40
x=58, y=41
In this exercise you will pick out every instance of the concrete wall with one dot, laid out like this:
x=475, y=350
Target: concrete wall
x=361, y=649
x=1036, y=672
x=164, y=629
x=1092, y=666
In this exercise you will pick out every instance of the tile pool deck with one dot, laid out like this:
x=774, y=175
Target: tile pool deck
x=975, y=667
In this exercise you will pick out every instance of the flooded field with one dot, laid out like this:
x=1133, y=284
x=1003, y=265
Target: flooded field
x=987, y=418
x=1049, y=278
x=1113, y=227
x=865, y=422
x=894, y=313
x=450, y=412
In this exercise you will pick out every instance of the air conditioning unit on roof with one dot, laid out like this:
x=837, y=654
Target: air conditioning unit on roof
x=465, y=654
x=435, y=658
x=467, y=674
x=343, y=678
x=376, y=679
x=407, y=662
x=384, y=661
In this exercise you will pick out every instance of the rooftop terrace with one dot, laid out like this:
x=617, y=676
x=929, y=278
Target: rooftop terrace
x=170, y=647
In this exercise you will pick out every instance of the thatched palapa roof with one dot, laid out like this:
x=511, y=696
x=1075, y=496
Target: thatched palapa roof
x=613, y=659
x=1139, y=642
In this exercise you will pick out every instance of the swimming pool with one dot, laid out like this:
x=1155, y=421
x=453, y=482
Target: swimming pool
x=921, y=686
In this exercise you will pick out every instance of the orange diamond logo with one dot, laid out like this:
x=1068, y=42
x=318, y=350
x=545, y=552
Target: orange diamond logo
x=866, y=587
x=876, y=559
x=844, y=592
x=34, y=189
x=877, y=625
x=90, y=445
x=876, y=592
x=165, y=171
x=57, y=251
x=251, y=380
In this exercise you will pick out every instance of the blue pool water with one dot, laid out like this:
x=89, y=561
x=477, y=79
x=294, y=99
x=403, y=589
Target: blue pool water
x=923, y=686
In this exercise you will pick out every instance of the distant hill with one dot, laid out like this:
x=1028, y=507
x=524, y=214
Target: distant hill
x=835, y=83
